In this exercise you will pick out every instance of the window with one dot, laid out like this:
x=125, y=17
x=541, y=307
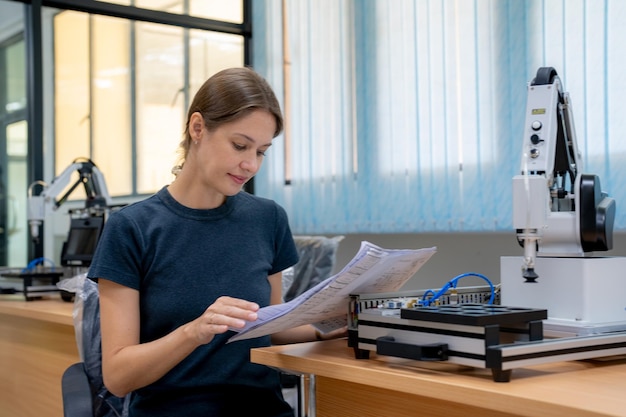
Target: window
x=122, y=88
x=100, y=75
x=407, y=116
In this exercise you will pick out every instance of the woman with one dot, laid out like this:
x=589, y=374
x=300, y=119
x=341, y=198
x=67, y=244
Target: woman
x=177, y=270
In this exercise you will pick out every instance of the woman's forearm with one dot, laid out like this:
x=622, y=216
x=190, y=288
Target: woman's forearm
x=129, y=368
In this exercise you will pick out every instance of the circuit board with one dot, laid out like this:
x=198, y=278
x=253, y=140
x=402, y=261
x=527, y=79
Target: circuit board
x=474, y=314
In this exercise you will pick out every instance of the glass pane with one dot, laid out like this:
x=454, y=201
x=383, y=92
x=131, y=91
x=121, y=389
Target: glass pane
x=72, y=93
x=111, y=101
x=15, y=79
x=92, y=97
x=175, y=6
x=160, y=103
x=226, y=10
x=14, y=232
x=16, y=223
x=230, y=11
x=210, y=52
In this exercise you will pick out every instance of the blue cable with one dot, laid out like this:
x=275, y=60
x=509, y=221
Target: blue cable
x=453, y=283
x=33, y=264
x=428, y=292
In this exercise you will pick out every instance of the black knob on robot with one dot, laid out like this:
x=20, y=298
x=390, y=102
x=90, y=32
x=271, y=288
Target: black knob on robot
x=535, y=139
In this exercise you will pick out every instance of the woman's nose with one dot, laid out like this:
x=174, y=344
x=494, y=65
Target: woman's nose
x=251, y=163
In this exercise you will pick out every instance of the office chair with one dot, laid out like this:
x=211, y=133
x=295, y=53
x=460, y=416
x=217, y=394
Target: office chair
x=77, y=401
x=83, y=390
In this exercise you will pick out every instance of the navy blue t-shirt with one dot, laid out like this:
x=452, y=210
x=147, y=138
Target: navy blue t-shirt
x=181, y=260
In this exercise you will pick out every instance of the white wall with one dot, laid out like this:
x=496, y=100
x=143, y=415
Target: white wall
x=457, y=253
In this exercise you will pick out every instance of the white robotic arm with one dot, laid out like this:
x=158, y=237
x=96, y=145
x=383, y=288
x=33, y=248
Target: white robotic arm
x=42, y=205
x=557, y=211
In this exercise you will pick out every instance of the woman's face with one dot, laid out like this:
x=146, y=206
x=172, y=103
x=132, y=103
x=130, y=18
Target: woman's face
x=232, y=154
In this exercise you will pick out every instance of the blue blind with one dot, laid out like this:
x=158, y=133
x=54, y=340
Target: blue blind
x=406, y=115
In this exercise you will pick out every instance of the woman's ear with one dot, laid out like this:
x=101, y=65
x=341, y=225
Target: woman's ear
x=196, y=124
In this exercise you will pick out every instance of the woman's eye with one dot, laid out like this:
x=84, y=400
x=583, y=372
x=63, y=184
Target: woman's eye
x=239, y=147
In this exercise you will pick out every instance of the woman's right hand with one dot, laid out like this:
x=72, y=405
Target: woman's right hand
x=224, y=313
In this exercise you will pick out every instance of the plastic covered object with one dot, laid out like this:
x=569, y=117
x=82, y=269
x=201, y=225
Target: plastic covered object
x=318, y=255
x=86, y=316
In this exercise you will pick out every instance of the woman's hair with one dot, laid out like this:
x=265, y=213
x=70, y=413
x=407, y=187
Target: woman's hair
x=227, y=96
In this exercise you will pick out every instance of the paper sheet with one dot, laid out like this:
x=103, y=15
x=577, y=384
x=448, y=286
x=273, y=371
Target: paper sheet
x=372, y=270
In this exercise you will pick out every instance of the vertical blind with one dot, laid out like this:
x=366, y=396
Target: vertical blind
x=407, y=115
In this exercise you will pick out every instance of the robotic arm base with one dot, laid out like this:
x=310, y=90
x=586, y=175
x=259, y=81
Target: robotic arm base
x=597, y=215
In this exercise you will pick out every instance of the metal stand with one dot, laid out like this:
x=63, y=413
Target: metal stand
x=311, y=400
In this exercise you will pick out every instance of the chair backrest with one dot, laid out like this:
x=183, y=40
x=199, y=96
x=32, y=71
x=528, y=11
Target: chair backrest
x=105, y=404
x=88, y=339
x=317, y=260
x=76, y=390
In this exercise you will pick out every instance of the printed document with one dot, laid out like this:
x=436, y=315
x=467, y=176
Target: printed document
x=372, y=270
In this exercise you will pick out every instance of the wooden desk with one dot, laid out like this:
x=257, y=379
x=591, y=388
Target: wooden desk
x=37, y=344
x=386, y=386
